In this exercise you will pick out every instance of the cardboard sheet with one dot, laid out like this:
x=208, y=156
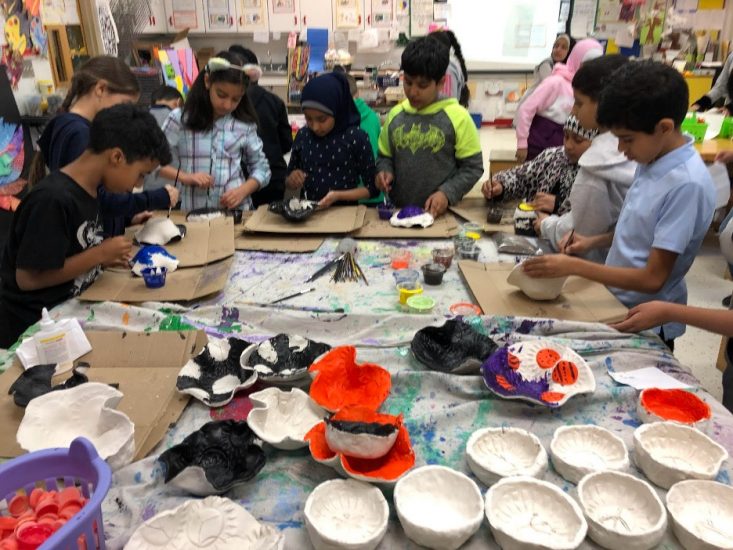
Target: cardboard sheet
x=264, y=242
x=337, y=219
x=204, y=243
x=476, y=209
x=181, y=285
x=581, y=299
x=444, y=227
x=143, y=364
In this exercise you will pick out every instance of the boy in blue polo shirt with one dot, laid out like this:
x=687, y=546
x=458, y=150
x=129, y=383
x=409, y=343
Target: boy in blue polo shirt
x=669, y=207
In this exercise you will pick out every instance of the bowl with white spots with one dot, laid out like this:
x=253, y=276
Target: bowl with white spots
x=582, y=449
x=494, y=453
x=702, y=514
x=284, y=358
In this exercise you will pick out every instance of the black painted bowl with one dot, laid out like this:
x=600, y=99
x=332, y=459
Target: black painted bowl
x=454, y=347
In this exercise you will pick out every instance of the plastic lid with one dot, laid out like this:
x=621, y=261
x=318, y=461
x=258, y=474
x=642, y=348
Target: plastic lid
x=421, y=303
x=46, y=321
x=32, y=535
x=526, y=207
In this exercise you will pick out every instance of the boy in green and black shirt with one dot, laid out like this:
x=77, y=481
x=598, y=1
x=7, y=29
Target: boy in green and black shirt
x=429, y=149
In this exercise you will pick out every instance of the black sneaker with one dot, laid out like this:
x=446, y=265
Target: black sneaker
x=726, y=302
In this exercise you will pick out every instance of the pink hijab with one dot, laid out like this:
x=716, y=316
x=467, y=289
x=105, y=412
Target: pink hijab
x=583, y=51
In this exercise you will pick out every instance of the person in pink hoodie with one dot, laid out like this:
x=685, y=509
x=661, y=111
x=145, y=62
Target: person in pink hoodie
x=541, y=117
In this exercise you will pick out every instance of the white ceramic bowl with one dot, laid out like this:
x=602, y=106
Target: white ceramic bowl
x=345, y=513
x=438, y=507
x=623, y=512
x=527, y=513
x=494, y=453
x=282, y=418
x=668, y=452
x=534, y=288
x=702, y=514
x=214, y=523
x=580, y=450
x=57, y=418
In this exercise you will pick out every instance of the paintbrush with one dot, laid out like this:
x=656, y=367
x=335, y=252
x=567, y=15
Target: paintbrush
x=175, y=184
x=569, y=241
x=299, y=293
x=324, y=269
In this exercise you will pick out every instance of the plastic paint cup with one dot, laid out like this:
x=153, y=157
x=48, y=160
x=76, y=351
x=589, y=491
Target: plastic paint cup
x=468, y=251
x=443, y=256
x=406, y=276
x=401, y=259
x=433, y=273
x=406, y=290
x=154, y=277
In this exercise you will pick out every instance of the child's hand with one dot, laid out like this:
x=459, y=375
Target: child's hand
x=198, y=179
x=172, y=194
x=545, y=267
x=537, y=224
x=492, y=189
x=384, y=180
x=575, y=244
x=724, y=157
x=233, y=198
x=436, y=204
x=115, y=251
x=141, y=217
x=544, y=202
x=521, y=155
x=330, y=198
x=296, y=179
x=644, y=316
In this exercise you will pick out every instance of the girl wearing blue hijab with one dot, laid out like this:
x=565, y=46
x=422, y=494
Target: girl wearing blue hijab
x=331, y=156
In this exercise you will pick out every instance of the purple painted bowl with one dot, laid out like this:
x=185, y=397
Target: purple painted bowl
x=505, y=381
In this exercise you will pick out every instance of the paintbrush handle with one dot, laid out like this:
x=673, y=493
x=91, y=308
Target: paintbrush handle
x=323, y=270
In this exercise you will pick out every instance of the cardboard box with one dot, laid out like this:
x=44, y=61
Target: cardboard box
x=337, y=219
x=276, y=243
x=144, y=364
x=476, y=209
x=204, y=243
x=444, y=227
x=181, y=285
x=581, y=299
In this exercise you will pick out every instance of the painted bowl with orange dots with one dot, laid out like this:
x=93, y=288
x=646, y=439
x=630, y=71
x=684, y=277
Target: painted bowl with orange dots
x=540, y=371
x=656, y=404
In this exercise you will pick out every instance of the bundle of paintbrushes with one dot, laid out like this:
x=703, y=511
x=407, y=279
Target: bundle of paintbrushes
x=347, y=270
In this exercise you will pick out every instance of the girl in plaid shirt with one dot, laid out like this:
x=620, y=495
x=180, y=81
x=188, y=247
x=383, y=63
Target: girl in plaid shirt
x=213, y=136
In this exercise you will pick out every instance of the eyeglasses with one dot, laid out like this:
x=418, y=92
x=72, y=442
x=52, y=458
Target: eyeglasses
x=220, y=64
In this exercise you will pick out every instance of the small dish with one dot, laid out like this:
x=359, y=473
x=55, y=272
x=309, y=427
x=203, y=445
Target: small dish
x=443, y=256
x=214, y=523
x=676, y=405
x=153, y=256
x=405, y=290
x=536, y=288
x=580, y=450
x=453, y=347
x=702, y=514
x=420, y=304
x=215, y=374
x=539, y=371
x=341, y=381
x=345, y=513
x=154, y=277
x=494, y=453
x=160, y=231
x=525, y=513
x=409, y=276
x=411, y=216
x=88, y=410
x=668, y=452
x=623, y=512
x=438, y=507
x=433, y=273
x=213, y=459
x=360, y=432
x=283, y=358
x=283, y=418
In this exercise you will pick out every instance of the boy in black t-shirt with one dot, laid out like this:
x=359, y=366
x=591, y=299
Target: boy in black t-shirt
x=55, y=248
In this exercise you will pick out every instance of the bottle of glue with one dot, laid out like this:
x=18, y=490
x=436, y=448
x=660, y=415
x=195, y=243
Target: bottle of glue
x=52, y=341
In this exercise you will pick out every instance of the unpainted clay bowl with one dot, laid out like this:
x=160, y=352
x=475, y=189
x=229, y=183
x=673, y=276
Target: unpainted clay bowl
x=88, y=410
x=282, y=418
x=153, y=255
x=623, y=512
x=535, y=288
x=345, y=513
x=676, y=405
x=213, y=459
x=214, y=523
x=702, y=514
x=283, y=358
x=438, y=507
x=580, y=450
x=668, y=452
x=215, y=374
x=454, y=347
x=160, y=231
x=494, y=453
x=527, y=513
x=359, y=432
x=340, y=381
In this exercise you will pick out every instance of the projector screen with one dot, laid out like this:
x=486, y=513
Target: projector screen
x=504, y=34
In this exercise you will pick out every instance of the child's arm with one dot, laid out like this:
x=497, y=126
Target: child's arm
x=109, y=252
x=257, y=167
x=522, y=181
x=652, y=314
x=296, y=175
x=346, y=195
x=648, y=279
x=385, y=164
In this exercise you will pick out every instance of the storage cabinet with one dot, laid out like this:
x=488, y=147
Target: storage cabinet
x=252, y=16
x=156, y=19
x=185, y=14
x=379, y=13
x=315, y=13
x=220, y=16
x=284, y=15
x=348, y=14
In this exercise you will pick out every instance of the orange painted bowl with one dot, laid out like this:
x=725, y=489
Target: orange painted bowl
x=676, y=405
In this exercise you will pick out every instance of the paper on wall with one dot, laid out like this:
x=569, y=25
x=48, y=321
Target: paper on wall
x=262, y=37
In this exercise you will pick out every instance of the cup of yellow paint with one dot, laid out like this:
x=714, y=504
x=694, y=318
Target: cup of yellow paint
x=406, y=290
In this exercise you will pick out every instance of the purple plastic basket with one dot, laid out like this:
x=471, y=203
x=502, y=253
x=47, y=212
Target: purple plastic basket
x=54, y=469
